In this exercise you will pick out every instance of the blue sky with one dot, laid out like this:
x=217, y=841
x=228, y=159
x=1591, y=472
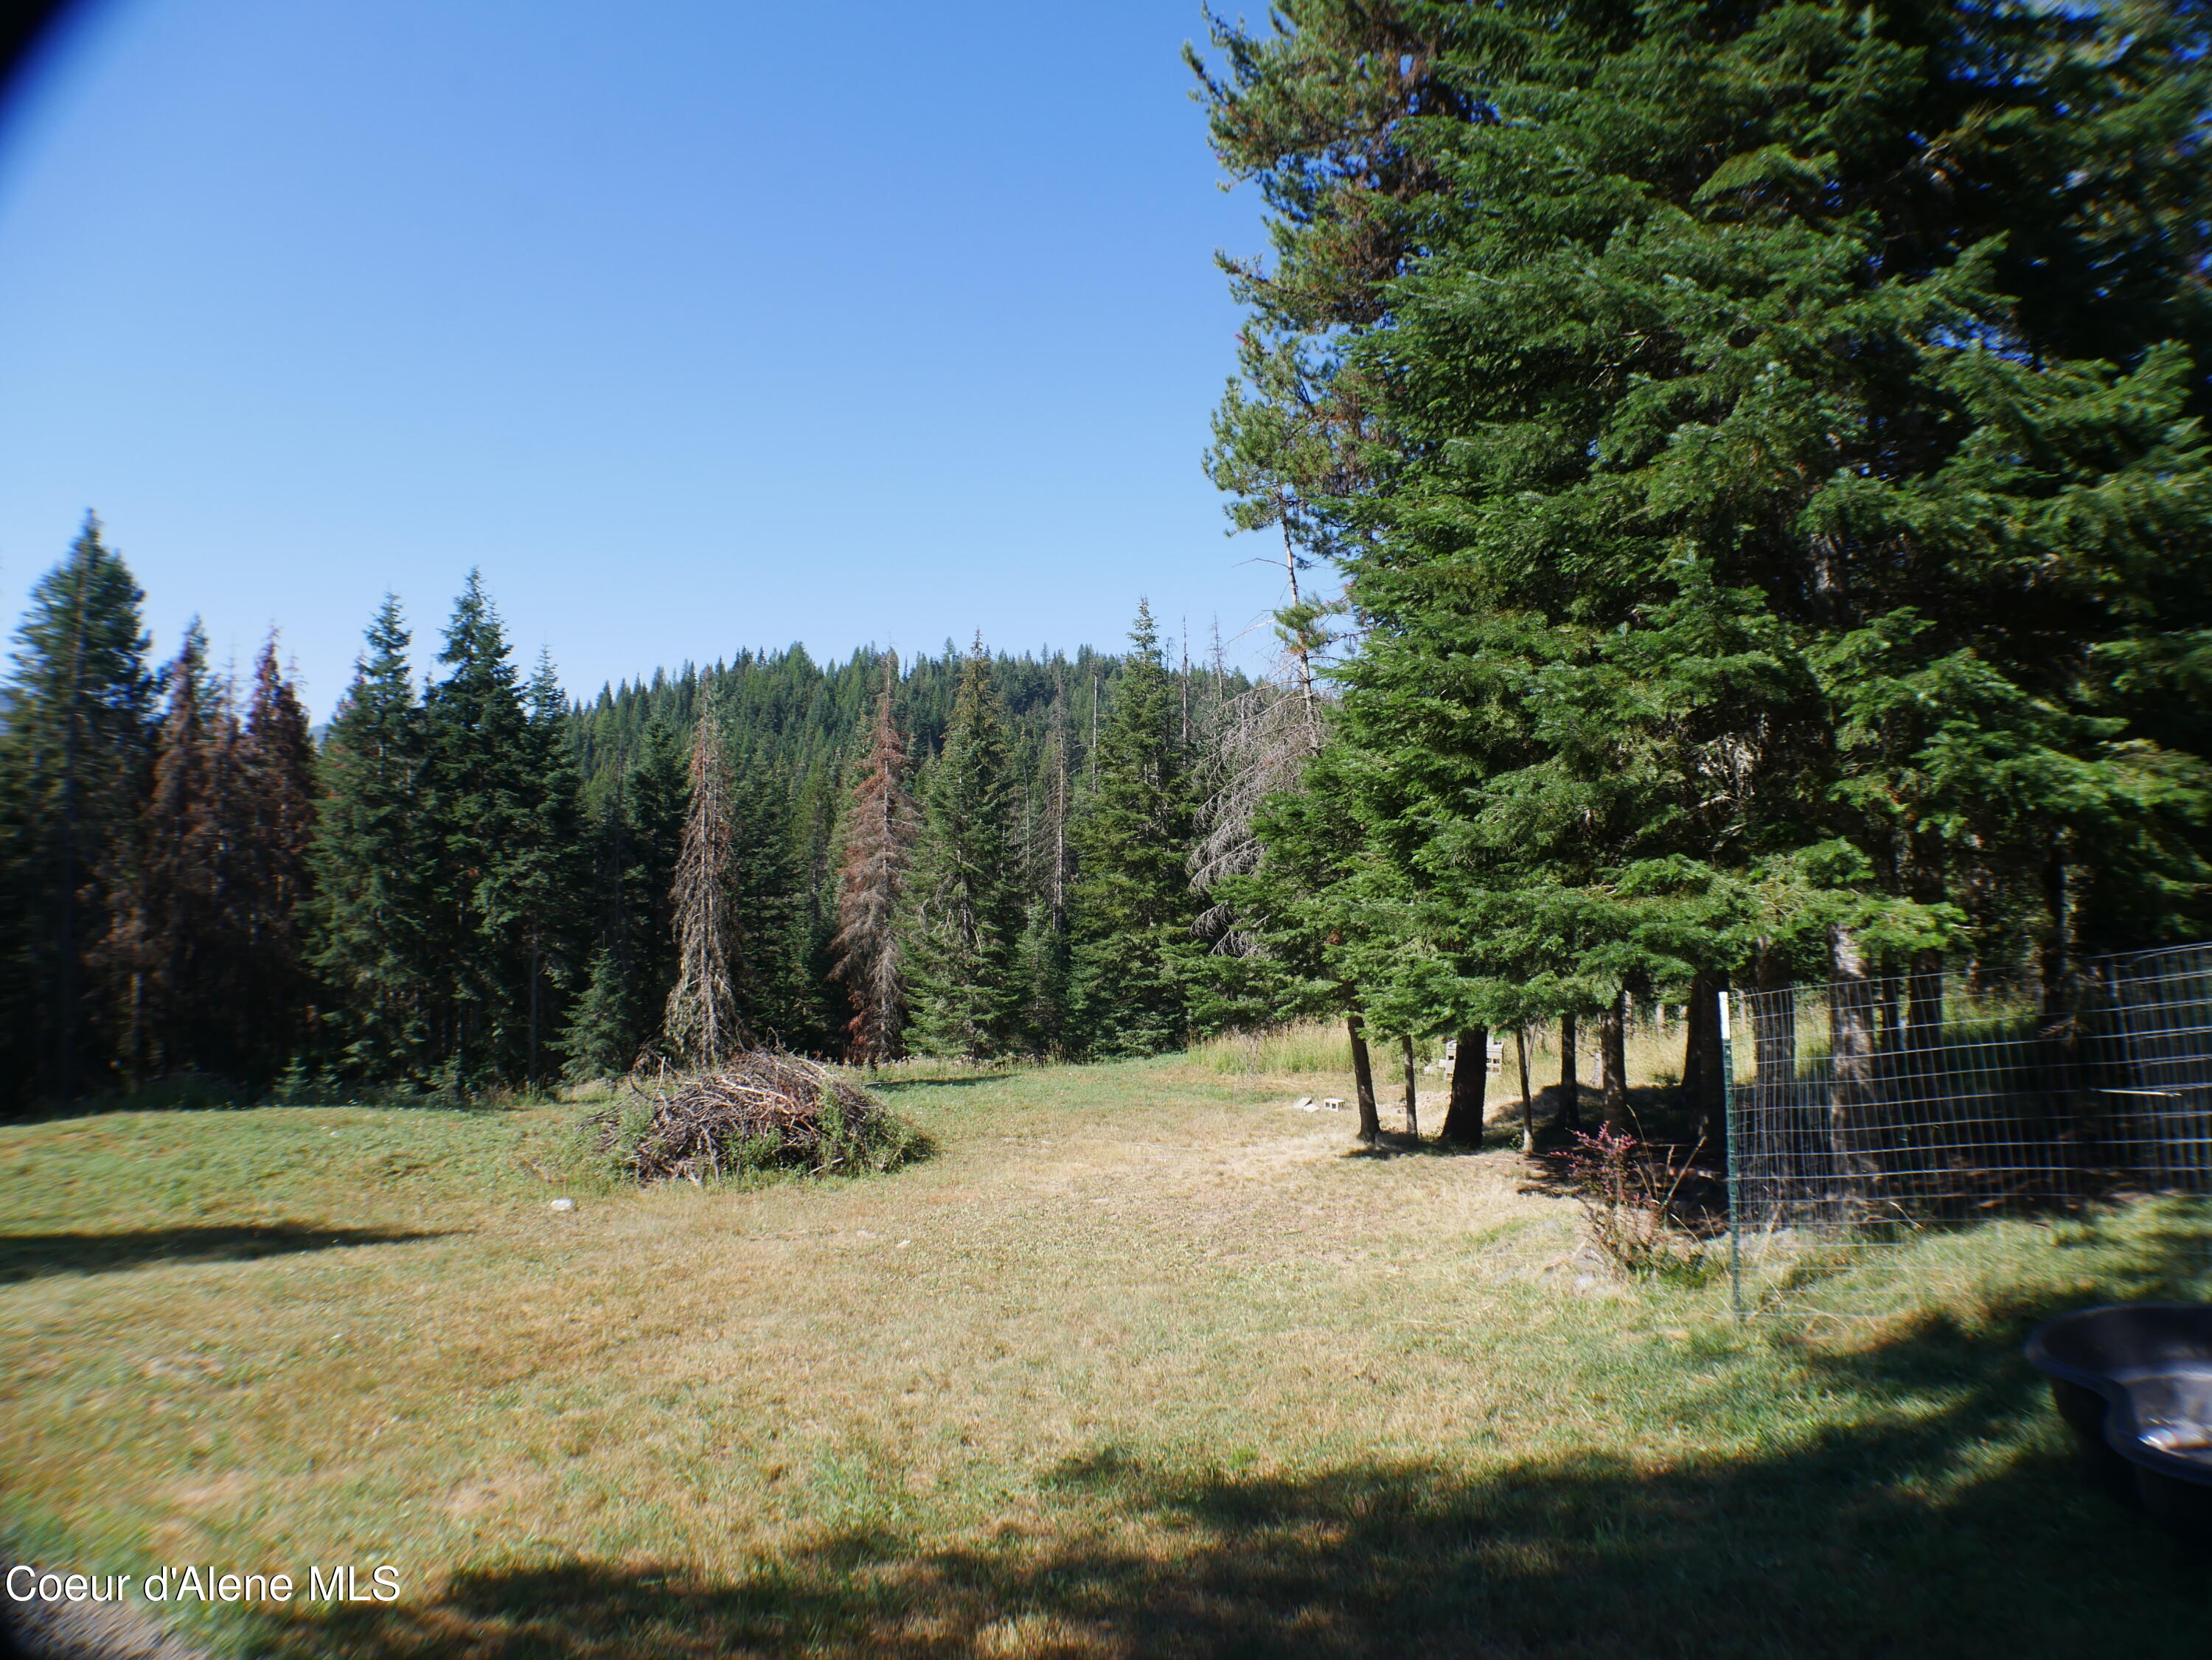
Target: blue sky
x=697, y=326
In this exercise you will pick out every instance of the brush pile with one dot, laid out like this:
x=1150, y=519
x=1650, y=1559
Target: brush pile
x=762, y=1109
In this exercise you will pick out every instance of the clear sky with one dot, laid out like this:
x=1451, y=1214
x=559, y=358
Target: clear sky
x=698, y=324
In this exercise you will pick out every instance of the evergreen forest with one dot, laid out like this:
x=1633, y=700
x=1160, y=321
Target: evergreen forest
x=1743, y=500
x=471, y=882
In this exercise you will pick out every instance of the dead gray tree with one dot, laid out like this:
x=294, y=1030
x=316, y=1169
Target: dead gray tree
x=702, y=1026
x=1263, y=740
x=1262, y=743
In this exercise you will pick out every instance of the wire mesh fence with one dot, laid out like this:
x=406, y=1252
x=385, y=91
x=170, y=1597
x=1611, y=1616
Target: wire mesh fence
x=1866, y=1115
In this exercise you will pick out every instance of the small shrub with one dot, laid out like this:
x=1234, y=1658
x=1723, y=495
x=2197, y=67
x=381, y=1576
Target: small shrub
x=1628, y=1192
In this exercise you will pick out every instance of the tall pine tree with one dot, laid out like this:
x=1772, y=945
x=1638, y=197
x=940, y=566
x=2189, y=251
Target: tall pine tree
x=177, y=949
x=479, y=800
x=535, y=895
x=274, y=812
x=879, y=839
x=76, y=719
x=1763, y=443
x=964, y=921
x=370, y=938
x=1131, y=907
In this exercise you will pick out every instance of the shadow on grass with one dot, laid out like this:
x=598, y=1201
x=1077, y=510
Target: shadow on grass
x=879, y=1086
x=1943, y=1519
x=30, y=1256
x=1397, y=1144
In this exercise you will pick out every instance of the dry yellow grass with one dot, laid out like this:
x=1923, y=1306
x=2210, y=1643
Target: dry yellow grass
x=1141, y=1361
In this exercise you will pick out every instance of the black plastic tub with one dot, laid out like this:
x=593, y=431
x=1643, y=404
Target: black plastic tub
x=2133, y=1382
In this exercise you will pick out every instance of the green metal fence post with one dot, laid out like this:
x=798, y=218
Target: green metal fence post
x=1735, y=1175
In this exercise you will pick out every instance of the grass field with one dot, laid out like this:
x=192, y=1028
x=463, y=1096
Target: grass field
x=1140, y=1362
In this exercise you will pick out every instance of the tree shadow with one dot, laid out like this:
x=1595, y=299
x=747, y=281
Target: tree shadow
x=891, y=1086
x=1945, y=1519
x=33, y=1256
x=1397, y=1144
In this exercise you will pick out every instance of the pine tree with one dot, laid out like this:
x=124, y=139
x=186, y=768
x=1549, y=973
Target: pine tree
x=702, y=1026
x=370, y=938
x=533, y=895
x=177, y=949
x=1756, y=481
x=879, y=839
x=771, y=967
x=479, y=796
x=600, y=1038
x=963, y=931
x=274, y=811
x=76, y=732
x=656, y=793
x=1131, y=907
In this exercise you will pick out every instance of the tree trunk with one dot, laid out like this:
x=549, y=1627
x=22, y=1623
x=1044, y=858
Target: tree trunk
x=1774, y=1029
x=1612, y=1057
x=1571, y=1083
x=536, y=974
x=1363, y=1077
x=1412, y=1087
x=2057, y=954
x=1528, y=1101
x=1470, y=1078
x=1924, y=1013
x=1701, y=1049
x=1853, y=1087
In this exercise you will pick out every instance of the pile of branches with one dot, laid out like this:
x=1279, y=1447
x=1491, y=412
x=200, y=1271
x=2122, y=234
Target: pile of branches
x=761, y=1108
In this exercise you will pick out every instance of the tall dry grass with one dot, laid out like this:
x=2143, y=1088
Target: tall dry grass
x=1321, y=1048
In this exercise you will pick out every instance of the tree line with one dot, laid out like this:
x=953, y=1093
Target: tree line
x=471, y=881
x=1762, y=446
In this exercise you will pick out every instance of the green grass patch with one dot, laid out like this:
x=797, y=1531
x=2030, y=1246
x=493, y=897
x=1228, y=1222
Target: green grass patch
x=1140, y=1362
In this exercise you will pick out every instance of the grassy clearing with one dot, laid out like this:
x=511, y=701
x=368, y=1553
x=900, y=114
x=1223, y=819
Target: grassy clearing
x=1141, y=1361
x=1302, y=1047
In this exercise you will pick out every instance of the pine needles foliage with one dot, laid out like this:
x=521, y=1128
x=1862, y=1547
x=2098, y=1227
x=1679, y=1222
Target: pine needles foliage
x=1762, y=444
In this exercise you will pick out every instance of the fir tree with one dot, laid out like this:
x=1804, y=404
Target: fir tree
x=276, y=819
x=657, y=796
x=771, y=968
x=600, y=1038
x=534, y=895
x=964, y=924
x=1726, y=418
x=1131, y=907
x=178, y=946
x=879, y=838
x=371, y=915
x=479, y=796
x=76, y=732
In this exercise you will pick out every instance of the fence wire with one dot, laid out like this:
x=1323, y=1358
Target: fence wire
x=1862, y=1115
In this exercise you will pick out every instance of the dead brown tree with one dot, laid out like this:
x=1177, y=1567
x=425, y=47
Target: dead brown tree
x=871, y=880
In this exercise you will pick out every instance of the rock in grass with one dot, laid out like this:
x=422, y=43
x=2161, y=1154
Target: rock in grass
x=563, y=1204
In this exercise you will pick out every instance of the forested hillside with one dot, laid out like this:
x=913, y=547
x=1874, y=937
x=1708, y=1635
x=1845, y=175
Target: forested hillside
x=1755, y=463
x=473, y=882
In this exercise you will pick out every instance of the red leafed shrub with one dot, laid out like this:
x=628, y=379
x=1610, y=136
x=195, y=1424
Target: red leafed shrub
x=1628, y=1191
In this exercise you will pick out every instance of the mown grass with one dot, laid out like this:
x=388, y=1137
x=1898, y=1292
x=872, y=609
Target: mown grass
x=1140, y=1362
